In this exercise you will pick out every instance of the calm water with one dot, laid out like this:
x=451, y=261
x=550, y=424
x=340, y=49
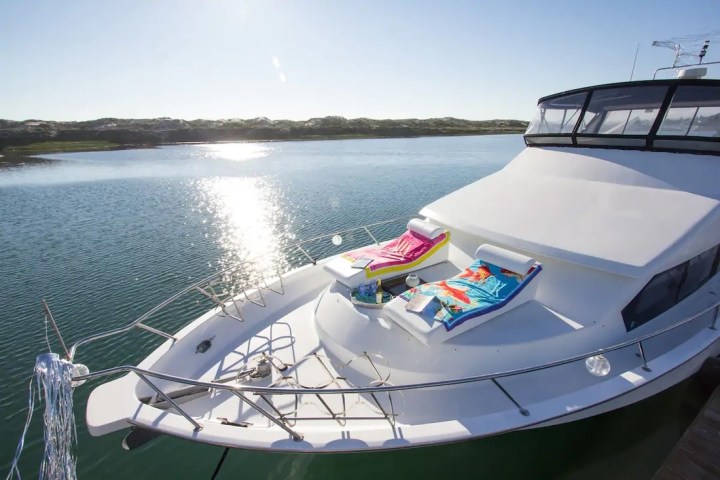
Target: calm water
x=106, y=236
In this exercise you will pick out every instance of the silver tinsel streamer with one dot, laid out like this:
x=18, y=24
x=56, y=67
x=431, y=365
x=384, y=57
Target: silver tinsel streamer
x=53, y=379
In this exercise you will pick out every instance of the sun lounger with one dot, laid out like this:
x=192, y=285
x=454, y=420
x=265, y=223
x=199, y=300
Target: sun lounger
x=422, y=245
x=491, y=283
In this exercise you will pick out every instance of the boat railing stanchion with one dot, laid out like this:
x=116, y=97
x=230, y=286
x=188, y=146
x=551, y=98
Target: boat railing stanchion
x=260, y=303
x=49, y=317
x=274, y=408
x=238, y=308
x=281, y=291
x=390, y=418
x=334, y=415
x=522, y=410
x=280, y=423
x=371, y=236
x=333, y=380
x=216, y=300
x=314, y=262
x=642, y=356
x=170, y=401
x=156, y=331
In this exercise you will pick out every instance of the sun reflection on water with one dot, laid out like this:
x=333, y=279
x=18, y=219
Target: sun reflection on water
x=249, y=220
x=237, y=152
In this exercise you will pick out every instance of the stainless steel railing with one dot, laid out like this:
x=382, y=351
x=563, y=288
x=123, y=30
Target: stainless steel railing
x=301, y=246
x=280, y=420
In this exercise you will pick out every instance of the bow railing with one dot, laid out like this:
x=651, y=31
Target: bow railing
x=283, y=421
x=241, y=289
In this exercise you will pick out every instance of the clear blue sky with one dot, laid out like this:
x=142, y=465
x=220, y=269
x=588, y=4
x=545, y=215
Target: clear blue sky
x=79, y=60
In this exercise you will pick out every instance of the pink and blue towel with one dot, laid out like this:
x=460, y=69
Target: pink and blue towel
x=409, y=249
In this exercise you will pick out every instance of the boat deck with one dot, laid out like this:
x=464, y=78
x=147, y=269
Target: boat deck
x=316, y=339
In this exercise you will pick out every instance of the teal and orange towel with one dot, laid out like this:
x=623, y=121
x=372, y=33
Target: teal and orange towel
x=481, y=288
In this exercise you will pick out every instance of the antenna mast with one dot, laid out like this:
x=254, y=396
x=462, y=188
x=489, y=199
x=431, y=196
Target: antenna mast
x=679, y=53
x=671, y=45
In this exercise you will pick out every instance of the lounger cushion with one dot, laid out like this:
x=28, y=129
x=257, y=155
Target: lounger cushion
x=503, y=258
x=426, y=229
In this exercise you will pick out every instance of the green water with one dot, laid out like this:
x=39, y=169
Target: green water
x=106, y=236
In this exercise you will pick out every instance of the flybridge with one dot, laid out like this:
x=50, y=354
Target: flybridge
x=679, y=115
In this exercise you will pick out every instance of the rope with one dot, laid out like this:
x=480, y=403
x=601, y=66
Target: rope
x=220, y=463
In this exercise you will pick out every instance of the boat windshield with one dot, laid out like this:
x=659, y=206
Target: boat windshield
x=559, y=115
x=658, y=115
x=694, y=112
x=623, y=111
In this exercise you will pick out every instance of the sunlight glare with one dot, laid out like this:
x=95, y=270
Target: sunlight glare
x=247, y=215
x=238, y=152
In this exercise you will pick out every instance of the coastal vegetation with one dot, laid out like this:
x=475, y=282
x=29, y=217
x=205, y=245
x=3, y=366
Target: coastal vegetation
x=31, y=137
x=59, y=147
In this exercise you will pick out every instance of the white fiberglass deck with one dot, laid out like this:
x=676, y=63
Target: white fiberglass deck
x=327, y=342
x=614, y=210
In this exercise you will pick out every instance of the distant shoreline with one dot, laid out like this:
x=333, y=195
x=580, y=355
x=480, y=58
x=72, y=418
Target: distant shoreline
x=36, y=137
x=76, y=147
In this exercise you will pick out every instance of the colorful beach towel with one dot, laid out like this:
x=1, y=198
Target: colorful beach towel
x=406, y=251
x=481, y=288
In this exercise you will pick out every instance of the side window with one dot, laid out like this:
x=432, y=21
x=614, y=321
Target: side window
x=707, y=123
x=694, y=111
x=666, y=289
x=657, y=296
x=699, y=270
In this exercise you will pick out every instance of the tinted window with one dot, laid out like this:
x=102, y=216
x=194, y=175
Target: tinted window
x=623, y=111
x=558, y=115
x=657, y=296
x=666, y=289
x=699, y=270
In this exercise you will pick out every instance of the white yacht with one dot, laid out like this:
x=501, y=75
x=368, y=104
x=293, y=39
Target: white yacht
x=580, y=278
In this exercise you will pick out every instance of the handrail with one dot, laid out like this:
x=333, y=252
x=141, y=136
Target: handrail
x=160, y=306
x=699, y=65
x=282, y=422
x=394, y=388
